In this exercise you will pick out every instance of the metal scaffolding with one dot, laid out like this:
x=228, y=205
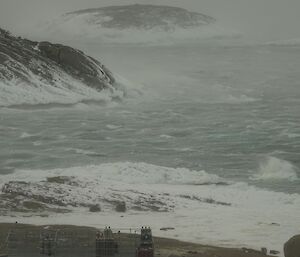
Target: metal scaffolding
x=73, y=242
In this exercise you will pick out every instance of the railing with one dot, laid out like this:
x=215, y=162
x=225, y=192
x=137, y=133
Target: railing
x=70, y=242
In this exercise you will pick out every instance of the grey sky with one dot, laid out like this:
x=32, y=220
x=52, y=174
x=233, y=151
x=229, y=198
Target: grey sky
x=259, y=19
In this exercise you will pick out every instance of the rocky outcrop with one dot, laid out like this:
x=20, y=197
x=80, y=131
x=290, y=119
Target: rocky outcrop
x=23, y=61
x=75, y=62
x=67, y=193
x=144, y=17
x=121, y=207
x=95, y=208
x=133, y=24
x=292, y=247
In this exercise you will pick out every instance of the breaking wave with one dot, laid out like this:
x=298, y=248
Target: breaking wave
x=276, y=169
x=14, y=94
x=134, y=173
x=67, y=91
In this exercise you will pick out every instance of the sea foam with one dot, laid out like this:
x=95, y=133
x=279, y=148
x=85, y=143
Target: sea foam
x=67, y=91
x=272, y=168
x=195, y=203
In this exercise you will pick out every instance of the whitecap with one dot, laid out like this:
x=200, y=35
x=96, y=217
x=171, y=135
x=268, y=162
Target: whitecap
x=26, y=135
x=112, y=127
x=166, y=136
x=37, y=143
x=272, y=168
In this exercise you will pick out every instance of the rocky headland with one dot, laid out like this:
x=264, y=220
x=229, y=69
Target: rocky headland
x=134, y=24
x=31, y=70
x=144, y=17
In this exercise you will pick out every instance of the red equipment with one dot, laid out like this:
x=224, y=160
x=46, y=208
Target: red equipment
x=146, y=248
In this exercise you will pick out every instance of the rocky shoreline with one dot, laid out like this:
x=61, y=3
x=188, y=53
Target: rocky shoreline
x=42, y=73
x=41, y=58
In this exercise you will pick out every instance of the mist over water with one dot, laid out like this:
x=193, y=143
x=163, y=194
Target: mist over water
x=225, y=109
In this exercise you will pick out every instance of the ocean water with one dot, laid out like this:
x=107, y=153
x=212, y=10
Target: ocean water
x=207, y=139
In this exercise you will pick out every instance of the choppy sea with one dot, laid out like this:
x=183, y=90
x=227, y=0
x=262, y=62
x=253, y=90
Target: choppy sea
x=207, y=141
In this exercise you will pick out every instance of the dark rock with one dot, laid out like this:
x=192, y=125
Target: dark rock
x=205, y=200
x=62, y=180
x=23, y=189
x=33, y=205
x=145, y=17
x=75, y=62
x=23, y=61
x=251, y=251
x=167, y=228
x=58, y=180
x=274, y=252
x=264, y=250
x=145, y=203
x=192, y=252
x=95, y=208
x=275, y=224
x=120, y=207
x=292, y=247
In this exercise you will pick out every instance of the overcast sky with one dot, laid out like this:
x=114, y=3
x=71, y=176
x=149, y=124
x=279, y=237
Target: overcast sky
x=258, y=19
